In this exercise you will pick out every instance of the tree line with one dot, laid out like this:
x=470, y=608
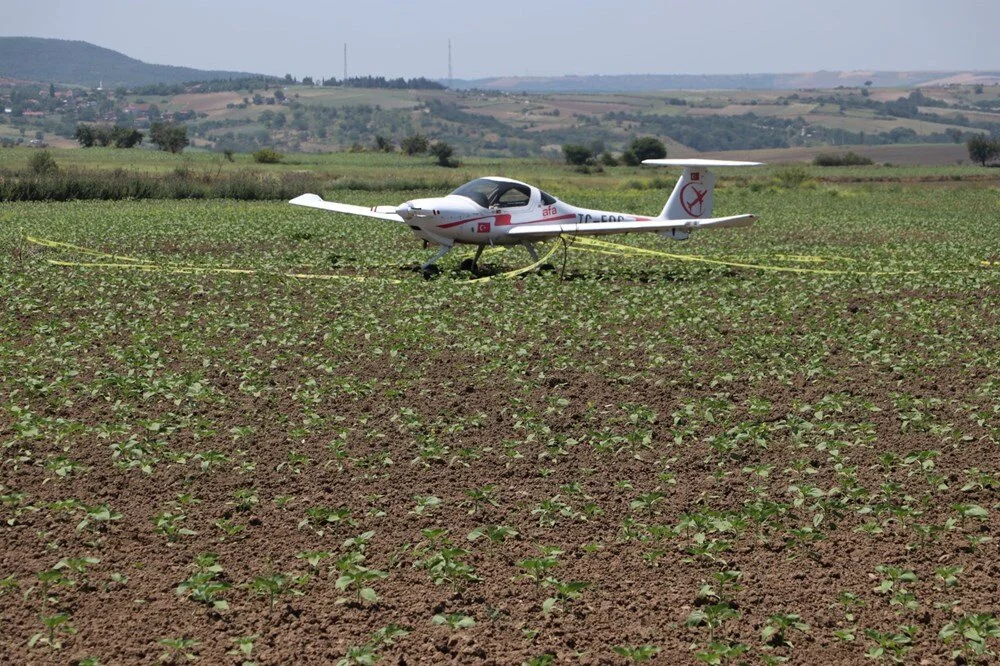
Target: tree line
x=165, y=136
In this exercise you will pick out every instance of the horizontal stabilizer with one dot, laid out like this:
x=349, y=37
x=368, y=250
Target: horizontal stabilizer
x=316, y=201
x=602, y=228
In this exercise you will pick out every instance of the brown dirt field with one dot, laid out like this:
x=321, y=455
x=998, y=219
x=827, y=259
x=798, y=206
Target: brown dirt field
x=206, y=102
x=642, y=511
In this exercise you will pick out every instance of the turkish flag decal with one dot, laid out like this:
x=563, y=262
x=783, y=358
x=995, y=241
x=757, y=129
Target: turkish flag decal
x=483, y=228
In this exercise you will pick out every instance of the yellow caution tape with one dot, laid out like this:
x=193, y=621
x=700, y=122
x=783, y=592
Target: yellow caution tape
x=578, y=243
x=520, y=271
x=628, y=250
x=44, y=242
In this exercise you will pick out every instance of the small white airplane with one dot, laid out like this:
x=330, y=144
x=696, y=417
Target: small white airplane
x=500, y=211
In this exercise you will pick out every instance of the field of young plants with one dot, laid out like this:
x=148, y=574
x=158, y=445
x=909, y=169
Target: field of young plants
x=248, y=433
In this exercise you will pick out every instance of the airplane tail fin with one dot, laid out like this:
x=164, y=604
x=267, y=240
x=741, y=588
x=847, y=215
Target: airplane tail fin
x=693, y=196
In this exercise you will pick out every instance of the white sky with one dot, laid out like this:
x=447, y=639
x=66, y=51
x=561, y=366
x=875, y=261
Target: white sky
x=526, y=37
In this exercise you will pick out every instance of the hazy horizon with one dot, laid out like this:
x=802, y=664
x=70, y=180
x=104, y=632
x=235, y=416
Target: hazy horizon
x=519, y=38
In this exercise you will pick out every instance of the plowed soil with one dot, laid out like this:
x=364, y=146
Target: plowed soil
x=837, y=458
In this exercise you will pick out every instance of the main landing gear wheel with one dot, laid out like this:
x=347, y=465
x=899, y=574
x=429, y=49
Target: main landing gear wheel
x=430, y=271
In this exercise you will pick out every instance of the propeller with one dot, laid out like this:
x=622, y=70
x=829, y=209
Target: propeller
x=408, y=211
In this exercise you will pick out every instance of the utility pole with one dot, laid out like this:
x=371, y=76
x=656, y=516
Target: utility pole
x=345, y=63
x=449, y=63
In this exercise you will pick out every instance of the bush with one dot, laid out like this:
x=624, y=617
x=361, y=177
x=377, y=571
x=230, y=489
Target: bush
x=841, y=159
x=42, y=163
x=267, y=156
x=414, y=144
x=577, y=155
x=443, y=152
x=791, y=177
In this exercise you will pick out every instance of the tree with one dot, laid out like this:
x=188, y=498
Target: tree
x=171, y=138
x=124, y=137
x=982, y=149
x=647, y=148
x=577, y=155
x=443, y=152
x=382, y=144
x=414, y=144
x=85, y=135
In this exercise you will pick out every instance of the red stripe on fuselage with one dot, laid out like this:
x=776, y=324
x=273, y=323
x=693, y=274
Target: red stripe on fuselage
x=556, y=218
x=504, y=220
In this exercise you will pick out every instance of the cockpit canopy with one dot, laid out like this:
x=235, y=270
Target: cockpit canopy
x=497, y=193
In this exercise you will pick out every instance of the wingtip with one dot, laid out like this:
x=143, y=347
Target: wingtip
x=305, y=199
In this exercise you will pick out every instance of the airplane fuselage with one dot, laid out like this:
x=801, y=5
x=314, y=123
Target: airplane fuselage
x=458, y=218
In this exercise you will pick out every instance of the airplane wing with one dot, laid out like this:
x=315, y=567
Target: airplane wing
x=601, y=228
x=316, y=201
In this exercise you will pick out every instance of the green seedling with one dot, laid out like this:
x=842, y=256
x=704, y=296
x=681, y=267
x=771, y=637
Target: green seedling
x=57, y=627
x=646, y=502
x=894, y=645
x=718, y=653
x=850, y=601
x=727, y=584
x=495, y=534
x=388, y=635
x=313, y=557
x=294, y=462
x=894, y=578
x=948, y=574
x=98, y=518
x=78, y=565
x=359, y=655
x=972, y=633
x=425, y=504
x=448, y=566
x=170, y=524
x=454, y=620
x=178, y=650
x=536, y=568
x=8, y=585
x=64, y=467
x=319, y=519
x=50, y=580
x=245, y=499
x=480, y=498
x=776, y=631
x=209, y=460
x=359, y=579
x=712, y=617
x=244, y=647
x=637, y=654
x=847, y=635
x=276, y=586
x=565, y=592
x=229, y=529
x=204, y=586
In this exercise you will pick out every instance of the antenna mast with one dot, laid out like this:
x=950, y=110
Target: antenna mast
x=449, y=63
x=345, y=63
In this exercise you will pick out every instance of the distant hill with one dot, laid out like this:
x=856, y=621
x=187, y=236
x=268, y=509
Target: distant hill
x=81, y=63
x=653, y=82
